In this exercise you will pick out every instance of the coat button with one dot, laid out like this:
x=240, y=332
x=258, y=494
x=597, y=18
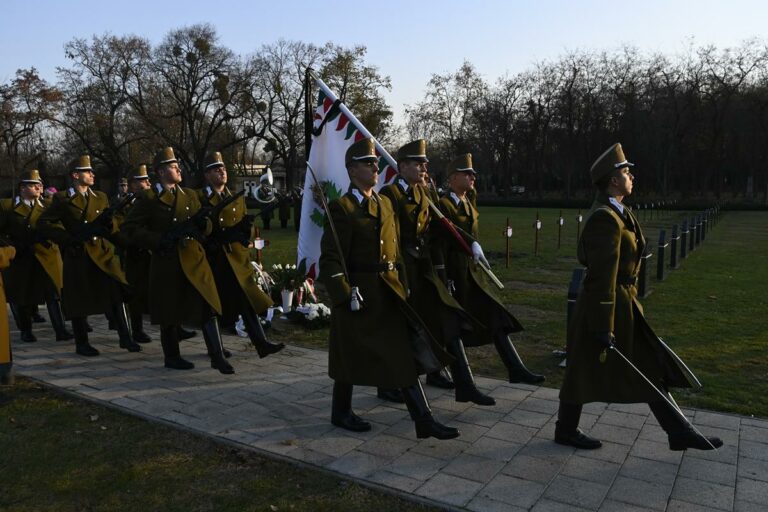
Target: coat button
x=382, y=242
x=174, y=219
x=187, y=207
x=221, y=219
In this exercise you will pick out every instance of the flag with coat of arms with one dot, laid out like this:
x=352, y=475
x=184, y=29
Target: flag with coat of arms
x=334, y=129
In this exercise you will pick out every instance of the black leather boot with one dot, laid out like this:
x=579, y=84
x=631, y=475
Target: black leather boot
x=23, y=317
x=341, y=409
x=169, y=339
x=184, y=334
x=257, y=336
x=466, y=390
x=137, y=329
x=511, y=359
x=80, y=330
x=212, y=337
x=440, y=379
x=120, y=316
x=680, y=433
x=53, y=304
x=390, y=395
x=567, y=428
x=36, y=316
x=421, y=414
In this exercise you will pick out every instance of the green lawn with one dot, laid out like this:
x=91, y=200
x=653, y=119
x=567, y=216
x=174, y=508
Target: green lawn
x=710, y=310
x=59, y=454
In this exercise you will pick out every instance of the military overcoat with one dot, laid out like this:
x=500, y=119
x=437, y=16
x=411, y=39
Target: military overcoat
x=93, y=275
x=136, y=261
x=37, y=267
x=611, y=246
x=472, y=289
x=385, y=343
x=421, y=251
x=181, y=284
x=235, y=277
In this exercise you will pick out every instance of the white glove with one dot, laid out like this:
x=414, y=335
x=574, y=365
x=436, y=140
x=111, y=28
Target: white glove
x=477, y=254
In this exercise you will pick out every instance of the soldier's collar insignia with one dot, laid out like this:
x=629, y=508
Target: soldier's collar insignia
x=208, y=191
x=358, y=195
x=159, y=188
x=71, y=191
x=456, y=199
x=616, y=204
x=17, y=201
x=403, y=185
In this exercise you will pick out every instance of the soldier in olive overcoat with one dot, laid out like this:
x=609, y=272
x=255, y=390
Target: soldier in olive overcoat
x=136, y=259
x=181, y=285
x=471, y=287
x=94, y=281
x=424, y=261
x=607, y=314
x=383, y=342
x=228, y=251
x=36, y=274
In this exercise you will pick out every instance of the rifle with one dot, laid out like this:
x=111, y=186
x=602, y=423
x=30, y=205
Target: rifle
x=190, y=227
x=457, y=232
x=102, y=224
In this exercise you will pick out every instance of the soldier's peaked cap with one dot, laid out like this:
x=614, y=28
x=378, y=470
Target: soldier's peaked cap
x=462, y=163
x=32, y=176
x=164, y=156
x=613, y=158
x=83, y=163
x=363, y=150
x=414, y=150
x=141, y=173
x=213, y=160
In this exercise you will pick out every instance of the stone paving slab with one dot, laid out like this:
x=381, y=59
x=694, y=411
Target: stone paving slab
x=504, y=460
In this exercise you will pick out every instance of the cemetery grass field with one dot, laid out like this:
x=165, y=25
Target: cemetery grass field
x=61, y=454
x=712, y=310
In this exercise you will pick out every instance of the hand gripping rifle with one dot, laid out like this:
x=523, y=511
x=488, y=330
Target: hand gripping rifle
x=356, y=298
x=190, y=228
x=102, y=224
x=457, y=233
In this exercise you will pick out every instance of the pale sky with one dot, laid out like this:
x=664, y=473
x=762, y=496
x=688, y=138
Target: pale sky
x=407, y=40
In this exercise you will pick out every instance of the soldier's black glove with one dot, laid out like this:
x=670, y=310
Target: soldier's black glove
x=606, y=339
x=201, y=221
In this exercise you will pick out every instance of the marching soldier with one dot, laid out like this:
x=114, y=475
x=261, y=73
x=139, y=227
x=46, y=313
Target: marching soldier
x=607, y=315
x=36, y=274
x=135, y=259
x=181, y=285
x=472, y=290
x=227, y=249
x=423, y=260
x=122, y=190
x=94, y=282
x=376, y=339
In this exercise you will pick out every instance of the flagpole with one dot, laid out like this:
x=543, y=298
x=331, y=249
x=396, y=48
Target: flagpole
x=352, y=119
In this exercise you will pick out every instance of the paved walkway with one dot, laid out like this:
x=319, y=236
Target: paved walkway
x=505, y=459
